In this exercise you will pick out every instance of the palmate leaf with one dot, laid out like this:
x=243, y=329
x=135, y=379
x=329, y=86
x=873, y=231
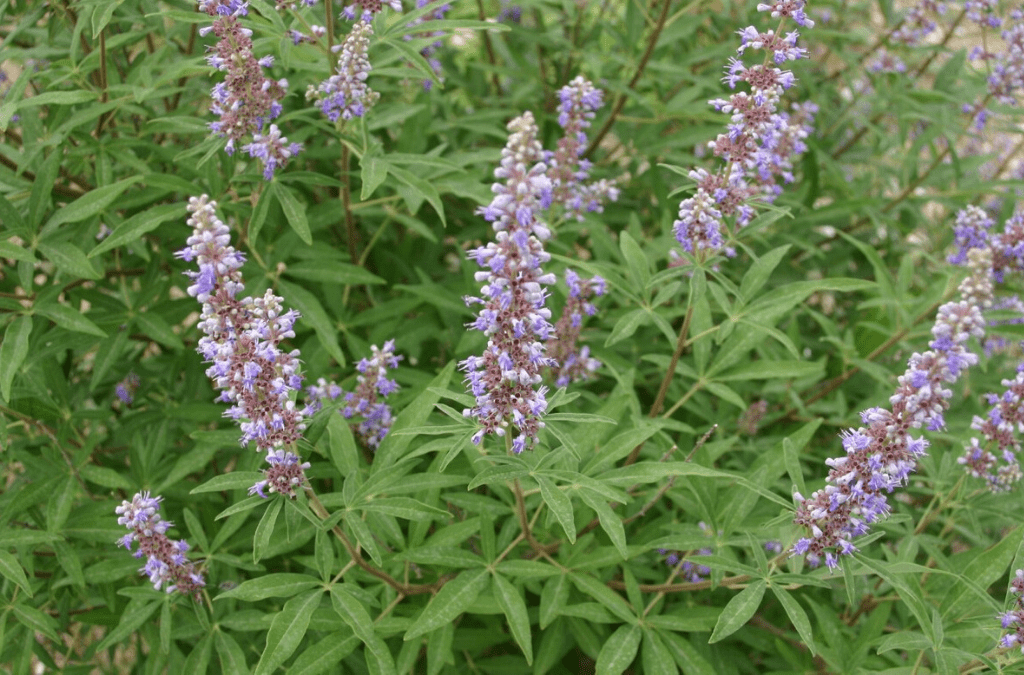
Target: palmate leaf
x=739, y=610
x=453, y=599
x=513, y=605
x=287, y=631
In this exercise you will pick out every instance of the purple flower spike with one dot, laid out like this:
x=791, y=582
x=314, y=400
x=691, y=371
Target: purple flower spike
x=365, y=10
x=246, y=100
x=506, y=379
x=166, y=564
x=881, y=456
x=568, y=171
x=242, y=341
x=345, y=94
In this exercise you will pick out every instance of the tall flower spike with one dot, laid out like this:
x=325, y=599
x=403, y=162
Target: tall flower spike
x=880, y=457
x=367, y=400
x=166, y=564
x=345, y=94
x=242, y=340
x=505, y=379
x=572, y=363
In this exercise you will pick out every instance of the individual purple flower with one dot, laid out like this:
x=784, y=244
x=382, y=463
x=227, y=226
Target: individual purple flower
x=166, y=564
x=506, y=379
x=1013, y=620
x=885, y=61
x=127, y=387
x=242, y=341
x=568, y=170
x=881, y=455
x=571, y=362
x=364, y=10
x=510, y=13
x=246, y=100
x=367, y=401
x=272, y=149
x=345, y=94
x=773, y=546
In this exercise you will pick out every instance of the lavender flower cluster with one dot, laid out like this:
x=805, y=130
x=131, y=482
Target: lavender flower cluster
x=573, y=363
x=242, y=342
x=760, y=142
x=364, y=10
x=166, y=564
x=1006, y=78
x=998, y=428
x=127, y=387
x=367, y=401
x=1013, y=620
x=430, y=51
x=880, y=457
x=345, y=94
x=568, y=170
x=246, y=100
x=372, y=387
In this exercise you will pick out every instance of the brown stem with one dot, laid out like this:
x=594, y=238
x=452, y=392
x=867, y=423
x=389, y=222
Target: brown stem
x=620, y=100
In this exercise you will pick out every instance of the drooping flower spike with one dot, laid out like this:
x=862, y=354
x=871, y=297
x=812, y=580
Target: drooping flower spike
x=881, y=455
x=166, y=564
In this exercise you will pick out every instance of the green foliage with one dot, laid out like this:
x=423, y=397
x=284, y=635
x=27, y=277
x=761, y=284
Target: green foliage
x=724, y=380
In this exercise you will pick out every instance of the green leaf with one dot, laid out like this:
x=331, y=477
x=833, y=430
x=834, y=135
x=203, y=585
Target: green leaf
x=610, y=523
x=131, y=620
x=57, y=98
x=333, y=272
x=513, y=605
x=656, y=657
x=451, y=601
x=553, y=597
x=797, y=616
x=373, y=172
x=771, y=370
x=323, y=655
x=342, y=446
x=619, y=651
x=132, y=229
x=232, y=658
x=636, y=262
x=156, y=327
x=294, y=212
x=355, y=615
x=229, y=481
x=755, y=278
x=606, y=596
x=69, y=319
x=560, y=505
x=15, y=252
x=365, y=539
x=265, y=531
x=11, y=569
x=626, y=326
x=281, y=585
x=314, y=314
x=58, y=506
x=415, y=414
x=36, y=621
x=417, y=184
x=108, y=354
x=405, y=507
x=287, y=631
x=89, y=204
x=12, y=220
x=69, y=259
x=738, y=611
x=904, y=640
x=13, y=352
